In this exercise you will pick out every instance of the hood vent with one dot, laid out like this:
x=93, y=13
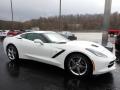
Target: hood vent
x=94, y=45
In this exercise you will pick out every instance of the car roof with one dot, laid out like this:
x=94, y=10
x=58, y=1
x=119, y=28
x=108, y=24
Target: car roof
x=37, y=32
x=41, y=32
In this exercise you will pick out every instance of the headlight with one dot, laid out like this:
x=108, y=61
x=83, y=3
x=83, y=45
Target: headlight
x=99, y=54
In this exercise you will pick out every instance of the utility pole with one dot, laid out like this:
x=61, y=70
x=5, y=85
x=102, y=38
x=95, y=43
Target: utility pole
x=106, y=22
x=12, y=16
x=60, y=16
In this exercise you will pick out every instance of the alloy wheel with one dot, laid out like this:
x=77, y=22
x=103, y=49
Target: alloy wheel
x=78, y=66
x=11, y=52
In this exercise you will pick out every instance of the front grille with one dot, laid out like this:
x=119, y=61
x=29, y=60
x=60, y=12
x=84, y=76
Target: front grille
x=111, y=64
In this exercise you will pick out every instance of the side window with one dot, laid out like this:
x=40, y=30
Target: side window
x=42, y=38
x=23, y=35
x=33, y=36
x=29, y=36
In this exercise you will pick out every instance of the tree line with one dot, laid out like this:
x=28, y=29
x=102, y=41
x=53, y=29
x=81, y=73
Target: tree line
x=68, y=22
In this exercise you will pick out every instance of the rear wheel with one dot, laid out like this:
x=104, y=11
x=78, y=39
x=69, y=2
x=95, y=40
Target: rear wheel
x=78, y=65
x=12, y=53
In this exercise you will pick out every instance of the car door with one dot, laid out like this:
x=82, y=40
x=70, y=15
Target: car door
x=42, y=51
x=26, y=45
x=36, y=51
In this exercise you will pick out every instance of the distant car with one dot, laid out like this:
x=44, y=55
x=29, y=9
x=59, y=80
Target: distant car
x=3, y=33
x=0, y=33
x=79, y=58
x=117, y=47
x=117, y=42
x=14, y=32
x=68, y=35
x=113, y=32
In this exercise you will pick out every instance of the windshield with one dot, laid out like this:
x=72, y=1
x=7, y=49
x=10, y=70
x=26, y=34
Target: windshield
x=56, y=38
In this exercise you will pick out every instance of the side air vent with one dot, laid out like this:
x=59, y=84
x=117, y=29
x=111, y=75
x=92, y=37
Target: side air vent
x=111, y=64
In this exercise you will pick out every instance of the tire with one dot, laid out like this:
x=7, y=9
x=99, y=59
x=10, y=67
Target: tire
x=12, y=53
x=117, y=53
x=78, y=65
x=111, y=34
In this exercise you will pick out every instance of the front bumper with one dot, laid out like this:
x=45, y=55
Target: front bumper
x=105, y=69
x=104, y=65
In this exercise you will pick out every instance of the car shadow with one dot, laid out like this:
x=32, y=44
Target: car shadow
x=54, y=78
x=101, y=82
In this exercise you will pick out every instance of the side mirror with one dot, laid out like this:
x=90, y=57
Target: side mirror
x=38, y=41
x=19, y=37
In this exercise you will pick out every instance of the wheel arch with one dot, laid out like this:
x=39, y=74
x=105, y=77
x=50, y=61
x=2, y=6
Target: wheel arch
x=92, y=63
x=9, y=45
x=14, y=47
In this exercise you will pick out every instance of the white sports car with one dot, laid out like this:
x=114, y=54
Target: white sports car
x=80, y=58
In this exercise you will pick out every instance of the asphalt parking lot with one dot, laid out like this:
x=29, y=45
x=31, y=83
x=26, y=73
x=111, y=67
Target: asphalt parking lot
x=30, y=75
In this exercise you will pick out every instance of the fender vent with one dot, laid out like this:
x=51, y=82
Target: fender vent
x=111, y=64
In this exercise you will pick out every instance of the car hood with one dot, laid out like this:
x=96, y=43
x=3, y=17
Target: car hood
x=90, y=45
x=82, y=46
x=85, y=44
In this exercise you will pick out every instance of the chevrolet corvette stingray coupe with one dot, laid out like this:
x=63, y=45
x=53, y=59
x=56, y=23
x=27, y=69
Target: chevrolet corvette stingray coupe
x=79, y=58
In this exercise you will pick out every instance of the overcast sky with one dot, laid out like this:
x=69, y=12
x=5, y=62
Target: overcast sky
x=33, y=9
